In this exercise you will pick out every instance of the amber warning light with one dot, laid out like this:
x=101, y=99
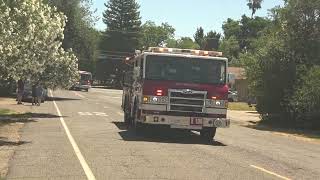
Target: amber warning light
x=185, y=51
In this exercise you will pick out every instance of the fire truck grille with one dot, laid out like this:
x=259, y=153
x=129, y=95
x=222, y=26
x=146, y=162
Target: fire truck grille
x=183, y=95
x=187, y=100
x=198, y=102
x=186, y=108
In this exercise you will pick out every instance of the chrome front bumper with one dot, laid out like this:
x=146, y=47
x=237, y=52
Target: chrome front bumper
x=181, y=122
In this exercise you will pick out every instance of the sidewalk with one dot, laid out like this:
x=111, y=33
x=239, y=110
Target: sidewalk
x=44, y=151
x=9, y=132
x=243, y=117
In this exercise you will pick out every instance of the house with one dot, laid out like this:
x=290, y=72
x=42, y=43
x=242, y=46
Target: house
x=237, y=81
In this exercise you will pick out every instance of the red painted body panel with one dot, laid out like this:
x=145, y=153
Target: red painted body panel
x=150, y=87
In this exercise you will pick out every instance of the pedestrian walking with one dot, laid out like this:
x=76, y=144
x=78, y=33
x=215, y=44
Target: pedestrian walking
x=36, y=94
x=20, y=91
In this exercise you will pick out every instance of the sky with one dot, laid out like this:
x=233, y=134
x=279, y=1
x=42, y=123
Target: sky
x=187, y=15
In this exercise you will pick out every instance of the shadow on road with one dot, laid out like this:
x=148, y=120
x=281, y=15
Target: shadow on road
x=28, y=116
x=61, y=99
x=25, y=118
x=162, y=135
x=11, y=143
x=121, y=125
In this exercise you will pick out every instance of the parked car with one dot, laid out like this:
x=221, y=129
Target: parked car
x=232, y=96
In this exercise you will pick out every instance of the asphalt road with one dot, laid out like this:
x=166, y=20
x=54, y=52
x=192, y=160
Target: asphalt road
x=87, y=139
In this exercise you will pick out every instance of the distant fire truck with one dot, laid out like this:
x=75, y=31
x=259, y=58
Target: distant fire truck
x=178, y=88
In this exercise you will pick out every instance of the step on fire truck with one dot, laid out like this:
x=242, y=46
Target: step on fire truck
x=178, y=88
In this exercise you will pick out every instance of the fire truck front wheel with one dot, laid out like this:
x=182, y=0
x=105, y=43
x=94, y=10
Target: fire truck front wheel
x=138, y=127
x=208, y=134
x=127, y=118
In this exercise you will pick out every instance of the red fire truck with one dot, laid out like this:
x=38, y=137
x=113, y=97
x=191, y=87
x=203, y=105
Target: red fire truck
x=178, y=88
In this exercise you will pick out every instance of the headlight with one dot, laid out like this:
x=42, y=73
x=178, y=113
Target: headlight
x=155, y=99
x=215, y=103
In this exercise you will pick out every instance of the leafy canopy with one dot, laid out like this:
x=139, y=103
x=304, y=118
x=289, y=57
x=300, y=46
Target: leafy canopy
x=31, y=34
x=153, y=35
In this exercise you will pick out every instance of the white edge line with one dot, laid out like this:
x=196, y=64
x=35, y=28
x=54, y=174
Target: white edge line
x=270, y=172
x=119, y=113
x=76, y=149
x=77, y=94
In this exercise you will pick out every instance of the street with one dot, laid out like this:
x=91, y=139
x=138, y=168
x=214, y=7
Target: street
x=80, y=135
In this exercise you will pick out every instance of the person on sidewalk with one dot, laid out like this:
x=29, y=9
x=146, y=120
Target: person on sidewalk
x=20, y=91
x=36, y=94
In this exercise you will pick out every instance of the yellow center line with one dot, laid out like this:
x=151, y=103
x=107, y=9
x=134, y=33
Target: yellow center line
x=270, y=172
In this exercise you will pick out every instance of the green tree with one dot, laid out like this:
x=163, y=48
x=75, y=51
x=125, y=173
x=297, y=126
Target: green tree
x=199, y=37
x=212, y=41
x=254, y=5
x=187, y=43
x=230, y=48
x=79, y=34
x=231, y=28
x=123, y=21
x=171, y=43
x=282, y=70
x=153, y=35
x=251, y=29
x=239, y=36
x=30, y=47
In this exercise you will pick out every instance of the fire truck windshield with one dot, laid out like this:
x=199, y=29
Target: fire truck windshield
x=183, y=69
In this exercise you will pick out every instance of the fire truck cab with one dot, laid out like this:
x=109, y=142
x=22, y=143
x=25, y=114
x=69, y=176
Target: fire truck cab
x=177, y=88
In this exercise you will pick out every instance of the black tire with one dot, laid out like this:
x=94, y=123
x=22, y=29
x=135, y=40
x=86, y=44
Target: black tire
x=230, y=100
x=126, y=110
x=139, y=128
x=207, y=134
x=127, y=118
x=87, y=90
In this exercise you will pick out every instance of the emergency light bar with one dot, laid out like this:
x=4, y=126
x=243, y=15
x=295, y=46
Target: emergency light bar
x=185, y=51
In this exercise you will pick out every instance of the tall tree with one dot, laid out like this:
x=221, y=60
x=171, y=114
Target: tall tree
x=199, y=37
x=251, y=29
x=231, y=28
x=123, y=21
x=212, y=40
x=231, y=49
x=239, y=36
x=79, y=32
x=254, y=5
x=153, y=35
